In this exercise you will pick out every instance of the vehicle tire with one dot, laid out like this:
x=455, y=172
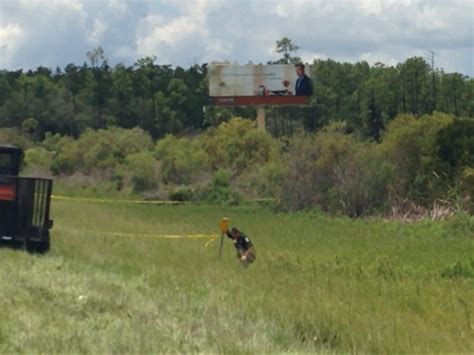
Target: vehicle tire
x=40, y=247
x=43, y=246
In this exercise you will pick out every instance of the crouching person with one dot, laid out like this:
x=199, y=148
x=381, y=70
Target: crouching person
x=243, y=245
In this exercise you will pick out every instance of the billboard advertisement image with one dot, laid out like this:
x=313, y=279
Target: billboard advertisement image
x=276, y=84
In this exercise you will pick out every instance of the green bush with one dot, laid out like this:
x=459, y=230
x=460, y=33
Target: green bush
x=238, y=145
x=182, y=194
x=39, y=157
x=455, y=144
x=30, y=126
x=336, y=172
x=219, y=190
x=143, y=170
x=67, y=155
x=409, y=144
x=361, y=182
x=101, y=149
x=15, y=137
x=106, y=148
x=311, y=167
x=418, y=160
x=263, y=181
x=183, y=160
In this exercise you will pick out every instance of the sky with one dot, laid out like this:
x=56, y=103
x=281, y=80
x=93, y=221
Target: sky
x=184, y=32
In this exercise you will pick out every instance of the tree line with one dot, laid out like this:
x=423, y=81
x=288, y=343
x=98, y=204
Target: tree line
x=418, y=164
x=162, y=99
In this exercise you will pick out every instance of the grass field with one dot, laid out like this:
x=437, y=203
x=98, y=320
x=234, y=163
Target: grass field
x=319, y=284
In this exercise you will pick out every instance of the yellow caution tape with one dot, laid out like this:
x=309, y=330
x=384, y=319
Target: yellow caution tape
x=140, y=202
x=163, y=236
x=210, y=241
x=211, y=237
x=98, y=200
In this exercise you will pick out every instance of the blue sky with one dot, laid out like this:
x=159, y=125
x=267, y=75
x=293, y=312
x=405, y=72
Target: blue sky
x=183, y=32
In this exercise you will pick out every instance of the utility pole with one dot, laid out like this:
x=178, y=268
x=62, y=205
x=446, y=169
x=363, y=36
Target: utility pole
x=433, y=81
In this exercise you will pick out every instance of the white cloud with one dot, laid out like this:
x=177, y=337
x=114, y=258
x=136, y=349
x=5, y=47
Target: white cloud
x=165, y=38
x=74, y=5
x=118, y=5
x=181, y=32
x=11, y=36
x=196, y=8
x=97, y=32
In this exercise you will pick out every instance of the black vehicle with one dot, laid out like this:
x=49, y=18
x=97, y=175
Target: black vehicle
x=24, y=205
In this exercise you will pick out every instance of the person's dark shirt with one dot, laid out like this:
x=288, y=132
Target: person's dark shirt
x=303, y=86
x=242, y=242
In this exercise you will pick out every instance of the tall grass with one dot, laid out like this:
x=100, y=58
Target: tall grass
x=319, y=284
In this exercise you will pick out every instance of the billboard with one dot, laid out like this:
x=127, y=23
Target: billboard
x=275, y=84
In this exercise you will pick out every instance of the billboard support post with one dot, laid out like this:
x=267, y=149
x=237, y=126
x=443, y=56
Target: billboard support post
x=261, y=118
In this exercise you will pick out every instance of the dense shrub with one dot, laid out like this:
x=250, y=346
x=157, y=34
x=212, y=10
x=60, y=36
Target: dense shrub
x=238, y=145
x=143, y=169
x=416, y=162
x=264, y=180
x=39, y=158
x=362, y=183
x=15, y=137
x=182, y=194
x=183, y=160
x=101, y=149
x=455, y=144
x=336, y=172
x=219, y=190
x=67, y=156
x=410, y=145
x=105, y=148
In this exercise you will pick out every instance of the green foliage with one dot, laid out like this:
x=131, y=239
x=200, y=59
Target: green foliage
x=264, y=180
x=459, y=270
x=30, y=126
x=368, y=97
x=143, y=168
x=67, y=154
x=416, y=162
x=455, y=144
x=287, y=47
x=219, y=190
x=463, y=223
x=15, y=137
x=101, y=149
x=183, y=160
x=336, y=172
x=182, y=194
x=214, y=115
x=162, y=99
x=39, y=157
x=238, y=145
x=410, y=144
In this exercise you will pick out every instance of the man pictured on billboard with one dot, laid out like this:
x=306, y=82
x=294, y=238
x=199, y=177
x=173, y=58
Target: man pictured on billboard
x=303, y=86
x=254, y=85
